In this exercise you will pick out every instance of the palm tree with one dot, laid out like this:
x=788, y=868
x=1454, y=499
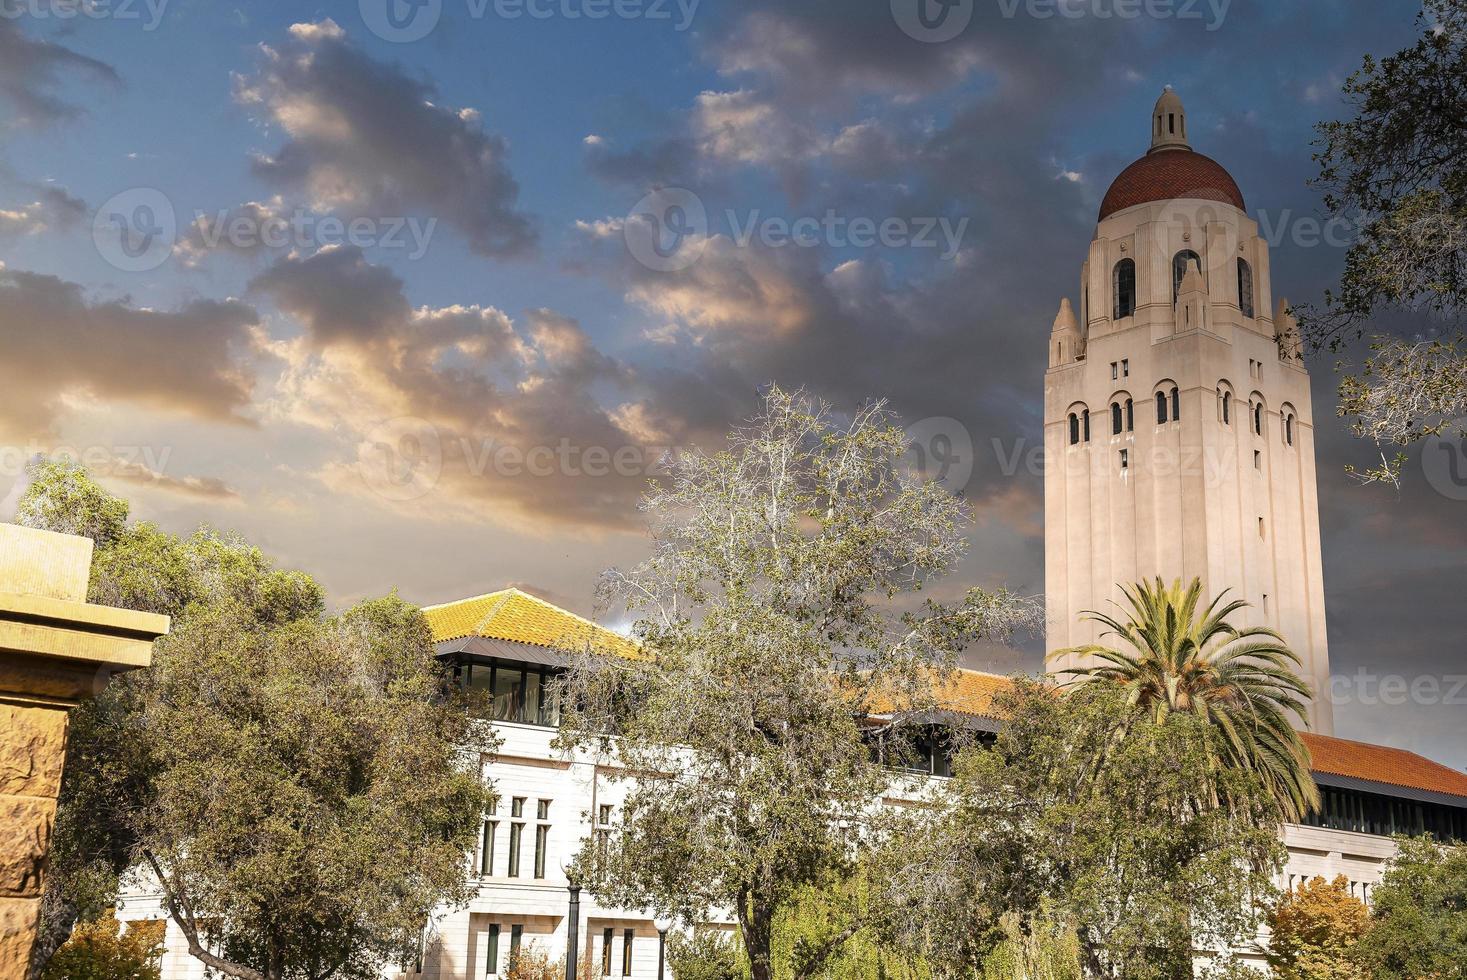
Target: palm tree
x=1240, y=681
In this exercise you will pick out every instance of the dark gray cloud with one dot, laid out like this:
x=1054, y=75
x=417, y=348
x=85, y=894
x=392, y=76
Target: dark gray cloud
x=32, y=72
x=58, y=345
x=48, y=208
x=366, y=139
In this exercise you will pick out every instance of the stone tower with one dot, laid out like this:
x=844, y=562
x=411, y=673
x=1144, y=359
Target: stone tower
x=1178, y=428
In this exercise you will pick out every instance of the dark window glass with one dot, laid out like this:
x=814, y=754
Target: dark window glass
x=1130, y=415
x=606, y=935
x=1123, y=282
x=516, y=833
x=1115, y=418
x=1289, y=430
x=1160, y=408
x=1085, y=420
x=1176, y=406
x=491, y=952
x=1074, y=428
x=486, y=856
x=1245, y=287
x=1180, y=262
x=1258, y=419
x=509, y=683
x=626, y=952
x=516, y=936
x=542, y=839
x=1227, y=408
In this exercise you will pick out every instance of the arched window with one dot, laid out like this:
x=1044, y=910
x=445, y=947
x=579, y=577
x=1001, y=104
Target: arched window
x=1245, y=287
x=1130, y=415
x=1115, y=418
x=1180, y=262
x=1085, y=422
x=1258, y=419
x=1176, y=406
x=1227, y=408
x=1289, y=430
x=1123, y=283
x=1161, y=408
x=1074, y=428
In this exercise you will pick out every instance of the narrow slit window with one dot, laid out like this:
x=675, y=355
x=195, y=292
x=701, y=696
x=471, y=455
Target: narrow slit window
x=1176, y=406
x=1125, y=459
x=491, y=951
x=626, y=952
x=1130, y=415
x=1085, y=420
x=1161, y=408
x=1116, y=422
x=606, y=935
x=1123, y=283
x=1074, y=428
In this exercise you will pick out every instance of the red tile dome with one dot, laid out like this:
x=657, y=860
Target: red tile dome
x=1169, y=174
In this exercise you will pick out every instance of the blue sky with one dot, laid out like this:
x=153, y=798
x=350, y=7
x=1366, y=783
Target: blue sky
x=254, y=387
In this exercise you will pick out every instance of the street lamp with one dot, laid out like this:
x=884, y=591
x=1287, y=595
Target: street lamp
x=662, y=926
x=573, y=927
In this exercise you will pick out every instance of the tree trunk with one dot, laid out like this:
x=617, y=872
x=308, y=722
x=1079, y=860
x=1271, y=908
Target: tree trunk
x=756, y=923
x=58, y=918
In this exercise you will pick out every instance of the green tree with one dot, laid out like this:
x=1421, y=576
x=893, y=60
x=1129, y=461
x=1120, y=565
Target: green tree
x=1397, y=171
x=1314, y=930
x=100, y=950
x=775, y=617
x=1418, y=923
x=1190, y=660
x=706, y=954
x=1138, y=848
x=302, y=788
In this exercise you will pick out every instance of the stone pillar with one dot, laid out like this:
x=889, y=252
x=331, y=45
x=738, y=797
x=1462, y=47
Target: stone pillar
x=55, y=650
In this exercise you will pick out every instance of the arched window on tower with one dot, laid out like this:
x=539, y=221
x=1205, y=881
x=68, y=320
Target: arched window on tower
x=1245, y=287
x=1258, y=419
x=1180, y=261
x=1227, y=408
x=1085, y=422
x=1176, y=406
x=1115, y=418
x=1074, y=428
x=1130, y=415
x=1123, y=284
x=1161, y=408
x=1289, y=430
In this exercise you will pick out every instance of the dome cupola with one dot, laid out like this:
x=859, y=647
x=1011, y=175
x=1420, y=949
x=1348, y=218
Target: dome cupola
x=1169, y=123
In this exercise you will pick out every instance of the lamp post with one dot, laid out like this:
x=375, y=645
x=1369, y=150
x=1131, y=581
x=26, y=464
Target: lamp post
x=662, y=926
x=572, y=928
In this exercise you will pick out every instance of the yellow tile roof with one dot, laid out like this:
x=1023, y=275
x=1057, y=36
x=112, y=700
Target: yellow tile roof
x=519, y=617
x=969, y=692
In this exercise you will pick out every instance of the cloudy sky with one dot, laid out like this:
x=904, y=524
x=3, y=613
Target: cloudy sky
x=372, y=282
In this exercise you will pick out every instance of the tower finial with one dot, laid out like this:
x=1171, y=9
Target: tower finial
x=1169, y=123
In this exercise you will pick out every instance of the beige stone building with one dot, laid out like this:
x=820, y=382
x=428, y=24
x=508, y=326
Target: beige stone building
x=1178, y=432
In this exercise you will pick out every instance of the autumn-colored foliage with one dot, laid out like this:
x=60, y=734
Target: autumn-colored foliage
x=1315, y=930
x=101, y=950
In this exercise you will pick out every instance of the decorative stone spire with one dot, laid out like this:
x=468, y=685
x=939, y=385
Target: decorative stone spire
x=1169, y=123
x=1066, y=344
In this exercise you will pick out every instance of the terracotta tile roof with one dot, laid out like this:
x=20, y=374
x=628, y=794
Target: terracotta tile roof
x=1168, y=175
x=1378, y=764
x=521, y=618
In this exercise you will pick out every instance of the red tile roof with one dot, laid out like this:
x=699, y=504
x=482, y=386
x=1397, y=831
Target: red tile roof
x=1168, y=175
x=1378, y=764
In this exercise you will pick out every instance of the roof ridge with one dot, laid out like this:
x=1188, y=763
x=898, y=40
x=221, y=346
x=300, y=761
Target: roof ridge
x=467, y=598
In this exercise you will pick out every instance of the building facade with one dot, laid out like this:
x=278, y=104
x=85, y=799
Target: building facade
x=1178, y=430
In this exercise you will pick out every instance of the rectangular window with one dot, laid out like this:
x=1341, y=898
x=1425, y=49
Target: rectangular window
x=1257, y=460
x=491, y=951
x=1115, y=370
x=517, y=807
x=1125, y=459
x=542, y=840
x=509, y=685
x=606, y=951
x=1260, y=527
x=534, y=688
x=1125, y=368
x=1265, y=603
x=542, y=810
x=603, y=831
x=516, y=832
x=516, y=936
x=626, y=952
x=486, y=854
